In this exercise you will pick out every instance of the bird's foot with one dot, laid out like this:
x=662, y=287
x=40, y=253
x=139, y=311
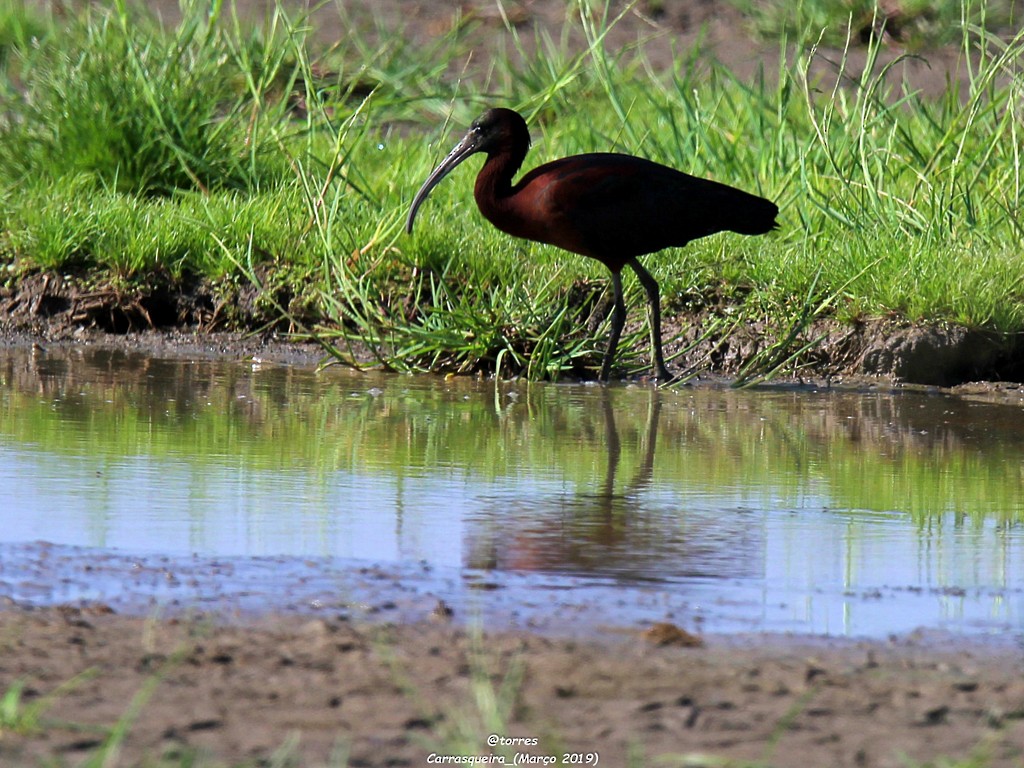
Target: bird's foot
x=662, y=377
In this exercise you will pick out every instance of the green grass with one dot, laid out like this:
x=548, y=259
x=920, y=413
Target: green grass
x=21, y=27
x=133, y=107
x=142, y=153
x=918, y=24
x=20, y=718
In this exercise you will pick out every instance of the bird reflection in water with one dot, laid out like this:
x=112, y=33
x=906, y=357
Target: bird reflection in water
x=624, y=524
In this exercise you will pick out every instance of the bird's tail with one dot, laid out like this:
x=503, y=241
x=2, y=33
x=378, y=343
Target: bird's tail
x=753, y=215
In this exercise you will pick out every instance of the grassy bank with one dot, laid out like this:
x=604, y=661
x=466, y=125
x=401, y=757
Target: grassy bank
x=135, y=154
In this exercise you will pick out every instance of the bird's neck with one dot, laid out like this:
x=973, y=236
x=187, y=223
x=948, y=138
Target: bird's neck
x=495, y=178
x=493, y=190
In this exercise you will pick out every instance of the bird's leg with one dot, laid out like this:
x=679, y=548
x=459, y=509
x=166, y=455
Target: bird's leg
x=618, y=320
x=651, y=286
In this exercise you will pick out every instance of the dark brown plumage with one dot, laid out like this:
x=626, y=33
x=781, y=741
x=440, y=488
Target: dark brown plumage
x=610, y=207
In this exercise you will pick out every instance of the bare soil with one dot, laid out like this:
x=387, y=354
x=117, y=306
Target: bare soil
x=395, y=695
x=389, y=695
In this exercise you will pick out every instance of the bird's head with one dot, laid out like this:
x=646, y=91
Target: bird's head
x=495, y=131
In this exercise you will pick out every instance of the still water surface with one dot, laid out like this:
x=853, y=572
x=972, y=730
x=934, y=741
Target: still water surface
x=827, y=512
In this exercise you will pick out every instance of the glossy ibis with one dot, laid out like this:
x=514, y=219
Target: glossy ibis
x=609, y=207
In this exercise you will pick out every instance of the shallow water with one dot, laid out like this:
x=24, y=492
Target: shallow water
x=259, y=486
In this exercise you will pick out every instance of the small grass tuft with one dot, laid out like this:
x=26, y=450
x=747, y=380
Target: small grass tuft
x=140, y=110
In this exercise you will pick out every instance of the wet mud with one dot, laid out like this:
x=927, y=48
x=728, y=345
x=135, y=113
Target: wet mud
x=396, y=694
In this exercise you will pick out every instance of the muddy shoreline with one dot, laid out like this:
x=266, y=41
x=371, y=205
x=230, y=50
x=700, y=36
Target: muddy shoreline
x=871, y=352
x=42, y=311
x=387, y=694
x=912, y=349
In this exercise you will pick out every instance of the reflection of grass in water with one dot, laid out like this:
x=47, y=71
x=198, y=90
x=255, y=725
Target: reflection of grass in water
x=740, y=448
x=962, y=485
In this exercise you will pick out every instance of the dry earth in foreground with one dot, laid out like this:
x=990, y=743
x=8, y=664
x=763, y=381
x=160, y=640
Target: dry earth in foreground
x=388, y=695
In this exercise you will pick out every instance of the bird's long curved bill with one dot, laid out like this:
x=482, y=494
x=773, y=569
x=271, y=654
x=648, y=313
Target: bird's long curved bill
x=462, y=150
